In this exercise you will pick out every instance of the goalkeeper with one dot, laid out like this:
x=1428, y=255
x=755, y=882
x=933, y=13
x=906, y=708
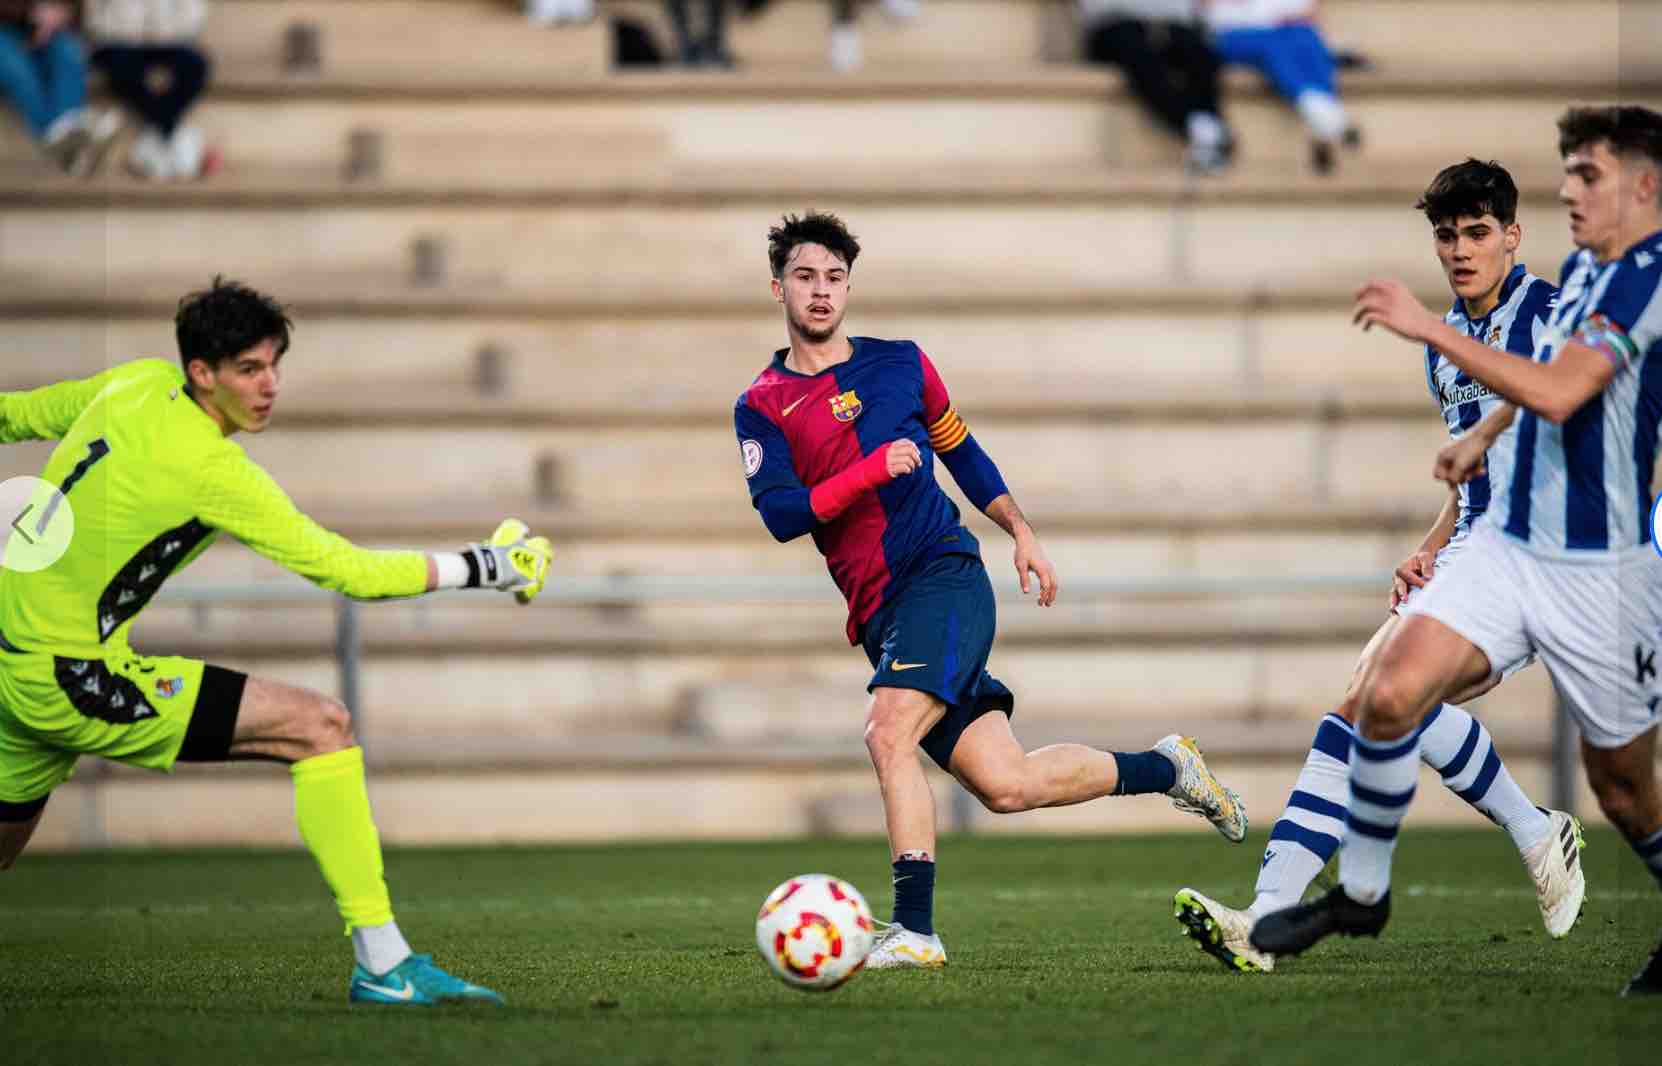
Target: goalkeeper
x=149, y=476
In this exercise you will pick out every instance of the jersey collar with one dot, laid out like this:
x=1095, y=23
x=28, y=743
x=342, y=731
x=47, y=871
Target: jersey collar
x=854, y=345
x=1508, y=289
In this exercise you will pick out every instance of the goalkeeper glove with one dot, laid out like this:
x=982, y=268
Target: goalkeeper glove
x=511, y=560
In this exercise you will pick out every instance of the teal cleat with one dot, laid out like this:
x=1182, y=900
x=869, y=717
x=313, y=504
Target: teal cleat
x=415, y=982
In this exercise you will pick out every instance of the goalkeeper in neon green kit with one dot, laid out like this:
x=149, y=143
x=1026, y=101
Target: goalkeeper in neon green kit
x=147, y=467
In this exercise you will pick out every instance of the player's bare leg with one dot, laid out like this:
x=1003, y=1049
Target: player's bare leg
x=896, y=722
x=1624, y=780
x=14, y=837
x=331, y=805
x=1422, y=662
x=991, y=764
x=1304, y=841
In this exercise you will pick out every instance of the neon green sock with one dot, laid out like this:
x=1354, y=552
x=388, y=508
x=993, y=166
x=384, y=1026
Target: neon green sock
x=331, y=807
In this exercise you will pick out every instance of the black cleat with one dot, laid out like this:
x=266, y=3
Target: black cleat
x=1321, y=157
x=1647, y=982
x=1290, y=931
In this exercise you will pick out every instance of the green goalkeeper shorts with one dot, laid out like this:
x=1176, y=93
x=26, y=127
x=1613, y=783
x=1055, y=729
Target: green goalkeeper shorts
x=128, y=708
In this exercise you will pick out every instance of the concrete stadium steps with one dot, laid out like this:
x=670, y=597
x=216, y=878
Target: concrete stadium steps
x=253, y=805
x=1257, y=700
x=686, y=136
x=372, y=42
x=476, y=622
x=628, y=369
x=1163, y=552
x=1120, y=464
x=1017, y=259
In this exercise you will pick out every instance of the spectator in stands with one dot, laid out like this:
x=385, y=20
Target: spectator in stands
x=145, y=49
x=1279, y=39
x=1161, y=45
x=846, y=54
x=43, y=72
x=550, y=12
x=704, y=45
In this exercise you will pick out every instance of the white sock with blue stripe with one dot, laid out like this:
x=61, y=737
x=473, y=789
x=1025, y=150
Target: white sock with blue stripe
x=1457, y=746
x=1650, y=851
x=1382, y=778
x=1309, y=829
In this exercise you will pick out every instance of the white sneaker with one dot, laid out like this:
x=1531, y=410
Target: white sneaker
x=188, y=148
x=102, y=128
x=902, y=10
x=1560, y=882
x=897, y=947
x=66, y=139
x=845, y=48
x=150, y=157
x=1220, y=931
x=1198, y=792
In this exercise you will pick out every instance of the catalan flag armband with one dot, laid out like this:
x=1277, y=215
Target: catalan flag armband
x=1607, y=337
x=948, y=432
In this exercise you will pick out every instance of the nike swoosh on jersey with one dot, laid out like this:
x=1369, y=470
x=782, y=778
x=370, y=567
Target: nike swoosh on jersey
x=898, y=667
x=792, y=407
x=407, y=992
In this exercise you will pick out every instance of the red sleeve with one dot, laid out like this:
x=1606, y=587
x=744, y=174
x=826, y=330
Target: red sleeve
x=936, y=402
x=946, y=429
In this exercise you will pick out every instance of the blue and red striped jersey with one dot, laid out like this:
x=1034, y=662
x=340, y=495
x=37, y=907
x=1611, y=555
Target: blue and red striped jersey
x=797, y=430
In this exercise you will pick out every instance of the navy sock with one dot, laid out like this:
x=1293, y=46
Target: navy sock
x=1142, y=772
x=914, y=895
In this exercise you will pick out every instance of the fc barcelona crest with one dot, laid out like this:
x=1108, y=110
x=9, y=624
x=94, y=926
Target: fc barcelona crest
x=846, y=407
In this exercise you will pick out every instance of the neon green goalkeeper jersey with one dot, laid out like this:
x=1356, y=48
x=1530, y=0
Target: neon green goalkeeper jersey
x=152, y=481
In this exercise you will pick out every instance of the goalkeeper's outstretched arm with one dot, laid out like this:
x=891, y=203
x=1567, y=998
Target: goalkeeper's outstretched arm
x=47, y=413
x=237, y=496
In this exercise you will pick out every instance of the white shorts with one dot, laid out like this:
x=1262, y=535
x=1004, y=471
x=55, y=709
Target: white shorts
x=1445, y=555
x=1597, y=625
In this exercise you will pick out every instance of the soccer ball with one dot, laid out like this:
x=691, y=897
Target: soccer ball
x=815, y=931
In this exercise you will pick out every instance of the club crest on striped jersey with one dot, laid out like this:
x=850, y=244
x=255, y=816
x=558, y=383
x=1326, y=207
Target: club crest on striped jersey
x=845, y=407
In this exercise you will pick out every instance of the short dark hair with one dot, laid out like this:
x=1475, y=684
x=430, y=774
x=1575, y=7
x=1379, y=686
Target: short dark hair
x=227, y=319
x=1628, y=130
x=1471, y=190
x=816, y=227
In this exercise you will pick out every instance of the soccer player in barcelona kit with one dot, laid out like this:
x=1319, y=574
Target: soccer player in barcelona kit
x=1564, y=564
x=839, y=438
x=146, y=469
x=1472, y=208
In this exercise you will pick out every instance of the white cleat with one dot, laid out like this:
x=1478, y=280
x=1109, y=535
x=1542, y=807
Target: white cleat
x=1198, y=792
x=897, y=947
x=1220, y=931
x=1560, y=882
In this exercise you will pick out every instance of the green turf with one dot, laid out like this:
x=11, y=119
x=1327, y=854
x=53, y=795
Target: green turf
x=1062, y=951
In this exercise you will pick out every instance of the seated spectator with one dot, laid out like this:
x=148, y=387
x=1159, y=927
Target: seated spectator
x=1279, y=39
x=145, y=49
x=704, y=44
x=43, y=72
x=550, y=12
x=846, y=54
x=1161, y=45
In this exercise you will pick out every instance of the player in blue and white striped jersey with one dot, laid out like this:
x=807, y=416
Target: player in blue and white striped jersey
x=1472, y=208
x=1561, y=565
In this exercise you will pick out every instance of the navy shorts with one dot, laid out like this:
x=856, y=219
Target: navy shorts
x=934, y=635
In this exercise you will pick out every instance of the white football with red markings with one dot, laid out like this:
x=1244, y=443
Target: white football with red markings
x=815, y=931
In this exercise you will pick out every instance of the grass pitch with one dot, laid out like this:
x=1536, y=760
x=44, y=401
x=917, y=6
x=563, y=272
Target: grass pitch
x=1063, y=951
